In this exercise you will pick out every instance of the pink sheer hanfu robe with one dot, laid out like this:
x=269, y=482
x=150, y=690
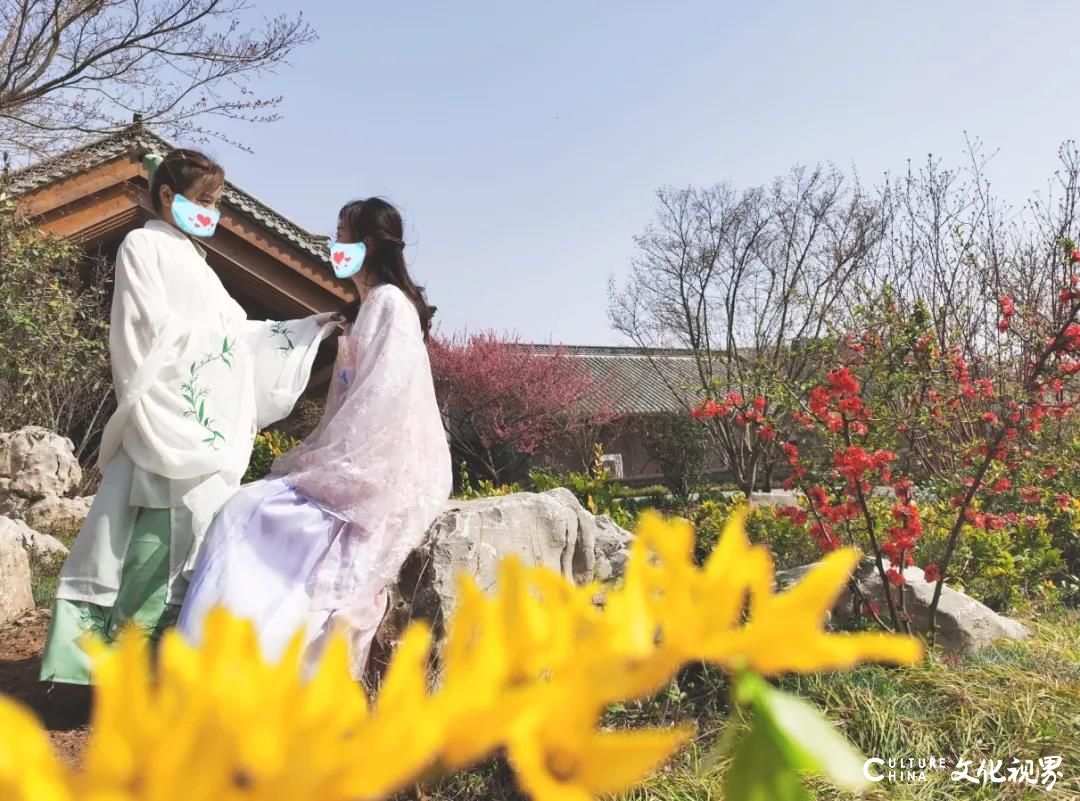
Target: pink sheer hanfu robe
x=314, y=547
x=195, y=380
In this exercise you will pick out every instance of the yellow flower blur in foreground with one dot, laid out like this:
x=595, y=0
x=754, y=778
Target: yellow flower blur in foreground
x=529, y=670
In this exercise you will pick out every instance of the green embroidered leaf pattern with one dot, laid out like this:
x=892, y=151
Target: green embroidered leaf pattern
x=195, y=394
x=93, y=618
x=282, y=330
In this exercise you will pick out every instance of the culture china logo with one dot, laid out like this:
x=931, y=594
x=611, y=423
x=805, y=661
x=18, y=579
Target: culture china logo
x=1044, y=772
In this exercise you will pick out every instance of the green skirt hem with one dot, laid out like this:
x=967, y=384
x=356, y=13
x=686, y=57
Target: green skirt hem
x=140, y=603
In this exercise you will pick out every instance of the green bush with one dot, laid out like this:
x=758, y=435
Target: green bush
x=484, y=488
x=676, y=444
x=1003, y=568
x=54, y=361
x=268, y=446
x=787, y=541
x=597, y=492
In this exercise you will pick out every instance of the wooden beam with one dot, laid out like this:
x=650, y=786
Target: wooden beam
x=75, y=219
x=268, y=276
x=47, y=199
x=276, y=246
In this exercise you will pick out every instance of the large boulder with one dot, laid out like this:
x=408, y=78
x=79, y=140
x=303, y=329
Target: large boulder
x=35, y=463
x=551, y=529
x=42, y=547
x=964, y=625
x=53, y=513
x=16, y=597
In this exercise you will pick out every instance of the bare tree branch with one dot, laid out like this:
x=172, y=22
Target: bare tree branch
x=71, y=69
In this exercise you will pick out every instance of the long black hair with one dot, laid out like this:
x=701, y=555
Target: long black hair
x=379, y=222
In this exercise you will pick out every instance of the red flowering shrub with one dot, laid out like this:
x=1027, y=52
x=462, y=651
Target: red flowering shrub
x=904, y=408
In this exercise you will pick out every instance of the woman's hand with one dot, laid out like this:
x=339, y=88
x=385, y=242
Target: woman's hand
x=333, y=317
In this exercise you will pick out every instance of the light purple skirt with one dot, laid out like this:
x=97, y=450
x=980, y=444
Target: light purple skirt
x=261, y=560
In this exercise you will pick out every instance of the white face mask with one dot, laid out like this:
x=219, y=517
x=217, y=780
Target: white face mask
x=346, y=259
x=191, y=218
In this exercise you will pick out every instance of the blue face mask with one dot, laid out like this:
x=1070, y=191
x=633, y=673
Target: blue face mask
x=191, y=218
x=347, y=259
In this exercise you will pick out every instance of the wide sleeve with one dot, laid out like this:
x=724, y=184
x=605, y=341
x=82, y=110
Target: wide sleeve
x=283, y=354
x=183, y=403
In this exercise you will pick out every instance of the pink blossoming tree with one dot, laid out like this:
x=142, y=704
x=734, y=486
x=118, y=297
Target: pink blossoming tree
x=503, y=400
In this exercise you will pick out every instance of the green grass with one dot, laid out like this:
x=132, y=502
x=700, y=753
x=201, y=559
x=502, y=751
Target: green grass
x=1016, y=699
x=44, y=571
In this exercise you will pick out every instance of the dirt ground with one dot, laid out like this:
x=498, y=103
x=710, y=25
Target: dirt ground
x=63, y=709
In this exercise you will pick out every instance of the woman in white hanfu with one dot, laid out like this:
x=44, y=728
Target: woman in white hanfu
x=312, y=549
x=195, y=380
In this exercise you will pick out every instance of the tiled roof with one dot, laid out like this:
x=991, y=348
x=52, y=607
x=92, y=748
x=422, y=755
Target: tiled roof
x=639, y=380
x=136, y=137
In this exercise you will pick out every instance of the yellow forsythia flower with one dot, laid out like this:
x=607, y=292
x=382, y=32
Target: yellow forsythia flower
x=28, y=769
x=529, y=670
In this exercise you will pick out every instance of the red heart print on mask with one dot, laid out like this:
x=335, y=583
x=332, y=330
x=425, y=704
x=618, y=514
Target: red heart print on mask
x=338, y=257
x=203, y=219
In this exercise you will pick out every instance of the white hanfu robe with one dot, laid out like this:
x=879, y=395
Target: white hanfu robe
x=195, y=380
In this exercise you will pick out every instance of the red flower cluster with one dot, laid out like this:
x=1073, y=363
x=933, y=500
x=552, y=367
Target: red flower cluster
x=854, y=464
x=1072, y=291
x=1069, y=341
x=904, y=535
x=796, y=515
x=1030, y=495
x=708, y=409
x=828, y=515
x=1008, y=309
x=742, y=414
x=837, y=404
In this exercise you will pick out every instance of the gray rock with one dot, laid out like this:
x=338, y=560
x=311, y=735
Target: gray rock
x=16, y=597
x=786, y=579
x=11, y=503
x=36, y=463
x=58, y=514
x=40, y=546
x=964, y=625
x=612, y=548
x=551, y=530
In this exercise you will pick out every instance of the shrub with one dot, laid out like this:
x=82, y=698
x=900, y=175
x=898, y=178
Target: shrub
x=483, y=488
x=1001, y=568
x=677, y=446
x=596, y=490
x=785, y=539
x=903, y=408
x=54, y=361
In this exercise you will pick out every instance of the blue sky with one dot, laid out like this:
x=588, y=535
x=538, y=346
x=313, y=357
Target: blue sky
x=523, y=141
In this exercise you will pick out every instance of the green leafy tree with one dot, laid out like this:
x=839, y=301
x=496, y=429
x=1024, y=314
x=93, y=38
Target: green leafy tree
x=54, y=361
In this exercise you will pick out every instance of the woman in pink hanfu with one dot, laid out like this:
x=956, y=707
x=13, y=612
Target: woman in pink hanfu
x=313, y=547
